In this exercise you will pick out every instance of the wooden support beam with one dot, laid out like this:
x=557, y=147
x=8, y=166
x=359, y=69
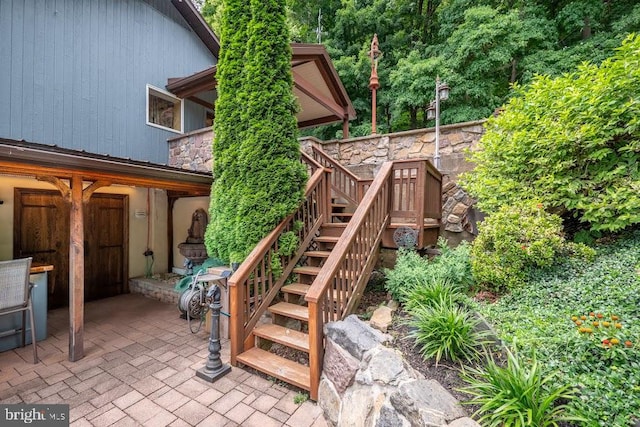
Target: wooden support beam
x=87, y=192
x=59, y=184
x=76, y=272
x=307, y=88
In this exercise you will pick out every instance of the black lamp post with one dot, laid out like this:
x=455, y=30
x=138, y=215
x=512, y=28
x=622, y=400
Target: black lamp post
x=214, y=368
x=433, y=112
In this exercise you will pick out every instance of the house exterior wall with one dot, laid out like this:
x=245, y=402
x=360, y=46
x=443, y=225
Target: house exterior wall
x=74, y=72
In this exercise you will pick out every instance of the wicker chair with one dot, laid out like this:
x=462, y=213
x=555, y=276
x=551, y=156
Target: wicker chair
x=15, y=295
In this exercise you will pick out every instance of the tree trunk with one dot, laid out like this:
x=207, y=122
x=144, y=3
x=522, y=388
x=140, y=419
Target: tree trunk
x=514, y=69
x=586, y=30
x=413, y=117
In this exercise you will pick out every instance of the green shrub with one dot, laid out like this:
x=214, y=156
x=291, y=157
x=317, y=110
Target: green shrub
x=411, y=270
x=446, y=330
x=514, y=240
x=571, y=142
x=516, y=395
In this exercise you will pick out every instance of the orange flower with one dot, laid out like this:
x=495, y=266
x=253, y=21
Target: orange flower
x=615, y=341
x=599, y=316
x=614, y=317
x=606, y=324
x=592, y=314
x=574, y=318
x=605, y=342
x=596, y=324
x=578, y=322
x=618, y=325
x=628, y=343
x=583, y=317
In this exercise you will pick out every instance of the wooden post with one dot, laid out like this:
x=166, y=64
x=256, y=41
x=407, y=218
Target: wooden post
x=76, y=272
x=316, y=351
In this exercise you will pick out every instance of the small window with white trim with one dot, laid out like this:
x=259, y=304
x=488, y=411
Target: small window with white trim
x=164, y=110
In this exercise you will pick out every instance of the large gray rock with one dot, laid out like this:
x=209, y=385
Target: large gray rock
x=389, y=417
x=464, y=422
x=329, y=401
x=354, y=335
x=387, y=366
x=339, y=366
x=426, y=402
x=358, y=406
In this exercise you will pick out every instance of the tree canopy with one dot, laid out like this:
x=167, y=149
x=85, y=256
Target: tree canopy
x=480, y=47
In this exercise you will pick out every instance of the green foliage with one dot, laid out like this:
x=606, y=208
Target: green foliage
x=259, y=178
x=430, y=294
x=446, y=330
x=516, y=395
x=538, y=316
x=413, y=271
x=572, y=142
x=513, y=241
x=288, y=243
x=300, y=398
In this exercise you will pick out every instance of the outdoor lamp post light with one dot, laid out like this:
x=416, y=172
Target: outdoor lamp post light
x=433, y=112
x=374, y=84
x=214, y=368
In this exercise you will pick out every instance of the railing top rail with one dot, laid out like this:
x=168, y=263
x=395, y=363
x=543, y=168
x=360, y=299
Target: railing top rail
x=431, y=169
x=256, y=255
x=309, y=159
x=336, y=164
x=349, y=234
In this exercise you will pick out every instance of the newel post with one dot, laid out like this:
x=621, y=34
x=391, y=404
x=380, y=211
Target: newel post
x=236, y=324
x=316, y=348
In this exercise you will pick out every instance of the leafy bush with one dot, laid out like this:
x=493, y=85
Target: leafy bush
x=446, y=330
x=538, y=315
x=572, y=142
x=514, y=240
x=412, y=270
x=517, y=394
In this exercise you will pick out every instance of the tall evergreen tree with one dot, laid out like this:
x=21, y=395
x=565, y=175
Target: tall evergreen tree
x=259, y=178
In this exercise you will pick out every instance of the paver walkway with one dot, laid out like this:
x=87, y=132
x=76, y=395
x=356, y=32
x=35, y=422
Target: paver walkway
x=139, y=370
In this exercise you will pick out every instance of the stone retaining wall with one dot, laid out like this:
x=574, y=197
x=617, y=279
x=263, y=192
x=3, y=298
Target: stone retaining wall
x=365, y=383
x=364, y=156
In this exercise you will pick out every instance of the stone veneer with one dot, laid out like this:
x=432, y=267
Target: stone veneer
x=364, y=156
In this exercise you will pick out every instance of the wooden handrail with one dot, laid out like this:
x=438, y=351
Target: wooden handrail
x=341, y=281
x=343, y=182
x=254, y=284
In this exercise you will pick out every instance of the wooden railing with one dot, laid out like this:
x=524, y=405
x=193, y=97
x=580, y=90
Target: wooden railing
x=342, y=279
x=344, y=183
x=416, y=194
x=259, y=278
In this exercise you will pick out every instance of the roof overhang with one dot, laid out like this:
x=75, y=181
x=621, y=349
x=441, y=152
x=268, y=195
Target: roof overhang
x=316, y=84
x=39, y=160
x=198, y=24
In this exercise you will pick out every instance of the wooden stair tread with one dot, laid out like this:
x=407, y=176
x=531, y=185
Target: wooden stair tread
x=296, y=288
x=280, y=334
x=287, y=309
x=339, y=205
x=412, y=225
x=334, y=225
x=311, y=271
x=276, y=366
x=341, y=213
x=327, y=239
x=317, y=254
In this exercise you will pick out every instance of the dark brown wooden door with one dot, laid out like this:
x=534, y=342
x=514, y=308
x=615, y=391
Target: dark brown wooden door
x=105, y=246
x=42, y=231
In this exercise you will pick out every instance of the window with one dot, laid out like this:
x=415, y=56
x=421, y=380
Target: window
x=164, y=110
x=209, y=116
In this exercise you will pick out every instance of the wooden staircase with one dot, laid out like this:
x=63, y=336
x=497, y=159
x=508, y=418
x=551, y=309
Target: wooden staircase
x=341, y=226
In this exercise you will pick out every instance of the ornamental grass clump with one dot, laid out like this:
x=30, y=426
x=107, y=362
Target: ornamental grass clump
x=517, y=394
x=444, y=330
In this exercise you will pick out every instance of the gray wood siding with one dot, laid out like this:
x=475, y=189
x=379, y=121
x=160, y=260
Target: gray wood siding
x=74, y=72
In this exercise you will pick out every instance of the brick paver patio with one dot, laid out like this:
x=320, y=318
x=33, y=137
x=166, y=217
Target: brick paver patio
x=139, y=370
